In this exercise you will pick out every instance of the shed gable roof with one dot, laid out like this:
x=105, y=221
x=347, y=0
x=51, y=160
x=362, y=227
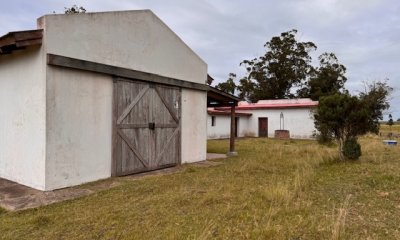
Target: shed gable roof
x=135, y=39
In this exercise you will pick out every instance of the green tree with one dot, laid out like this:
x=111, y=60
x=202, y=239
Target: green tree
x=337, y=114
x=345, y=117
x=229, y=85
x=285, y=64
x=375, y=98
x=329, y=78
x=390, y=122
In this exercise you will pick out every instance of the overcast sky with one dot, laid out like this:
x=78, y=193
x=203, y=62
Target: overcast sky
x=364, y=34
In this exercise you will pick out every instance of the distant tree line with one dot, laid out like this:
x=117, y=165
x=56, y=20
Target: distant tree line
x=285, y=70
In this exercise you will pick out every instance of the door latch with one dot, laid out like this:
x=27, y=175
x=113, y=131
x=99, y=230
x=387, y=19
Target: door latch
x=152, y=126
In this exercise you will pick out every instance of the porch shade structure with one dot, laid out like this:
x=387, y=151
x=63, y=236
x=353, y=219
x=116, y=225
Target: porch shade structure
x=218, y=98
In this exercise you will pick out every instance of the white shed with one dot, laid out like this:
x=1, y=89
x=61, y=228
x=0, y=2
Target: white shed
x=263, y=118
x=89, y=96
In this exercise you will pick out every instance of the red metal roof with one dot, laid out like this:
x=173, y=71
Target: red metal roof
x=275, y=104
x=267, y=106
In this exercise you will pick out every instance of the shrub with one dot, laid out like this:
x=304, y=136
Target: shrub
x=351, y=149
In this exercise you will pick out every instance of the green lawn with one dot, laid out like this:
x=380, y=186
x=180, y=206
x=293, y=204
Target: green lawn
x=273, y=190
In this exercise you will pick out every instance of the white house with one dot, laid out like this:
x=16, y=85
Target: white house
x=263, y=118
x=89, y=96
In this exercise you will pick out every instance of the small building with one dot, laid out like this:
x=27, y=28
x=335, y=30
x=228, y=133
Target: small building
x=264, y=118
x=89, y=96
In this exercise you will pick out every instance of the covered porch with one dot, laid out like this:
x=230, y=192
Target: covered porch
x=218, y=98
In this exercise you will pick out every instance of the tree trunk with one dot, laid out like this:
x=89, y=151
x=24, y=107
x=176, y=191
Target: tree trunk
x=341, y=155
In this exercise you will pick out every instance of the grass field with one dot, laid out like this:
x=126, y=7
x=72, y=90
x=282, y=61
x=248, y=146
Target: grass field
x=273, y=190
x=394, y=129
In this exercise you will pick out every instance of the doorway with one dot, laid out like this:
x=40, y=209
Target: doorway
x=263, y=127
x=146, y=127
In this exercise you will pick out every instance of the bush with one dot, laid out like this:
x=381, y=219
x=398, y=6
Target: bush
x=351, y=149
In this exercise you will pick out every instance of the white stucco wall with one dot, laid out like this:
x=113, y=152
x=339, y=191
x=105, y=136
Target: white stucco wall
x=222, y=127
x=79, y=127
x=193, y=126
x=22, y=117
x=244, y=127
x=298, y=121
x=136, y=40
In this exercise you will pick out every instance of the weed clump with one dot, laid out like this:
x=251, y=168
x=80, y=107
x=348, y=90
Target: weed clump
x=352, y=149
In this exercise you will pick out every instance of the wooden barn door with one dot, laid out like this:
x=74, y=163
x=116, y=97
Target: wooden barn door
x=146, y=127
x=263, y=127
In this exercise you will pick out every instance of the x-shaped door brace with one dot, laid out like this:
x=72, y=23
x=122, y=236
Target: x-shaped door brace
x=126, y=112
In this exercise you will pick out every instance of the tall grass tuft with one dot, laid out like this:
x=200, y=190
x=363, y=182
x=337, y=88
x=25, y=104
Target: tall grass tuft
x=339, y=224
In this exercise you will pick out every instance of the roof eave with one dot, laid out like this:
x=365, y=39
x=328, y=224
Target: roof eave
x=20, y=40
x=213, y=113
x=218, y=98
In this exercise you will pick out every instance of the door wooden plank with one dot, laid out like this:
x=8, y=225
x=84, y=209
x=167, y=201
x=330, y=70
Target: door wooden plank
x=136, y=171
x=167, y=143
x=166, y=125
x=132, y=125
x=151, y=139
x=115, y=145
x=136, y=138
x=131, y=105
x=167, y=105
x=119, y=108
x=263, y=127
x=132, y=147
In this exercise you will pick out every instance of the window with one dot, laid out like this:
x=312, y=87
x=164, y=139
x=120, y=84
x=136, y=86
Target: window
x=212, y=121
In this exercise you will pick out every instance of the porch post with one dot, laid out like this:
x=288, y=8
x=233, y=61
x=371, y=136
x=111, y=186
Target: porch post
x=232, y=151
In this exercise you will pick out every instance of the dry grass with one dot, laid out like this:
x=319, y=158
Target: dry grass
x=339, y=224
x=273, y=190
x=394, y=129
